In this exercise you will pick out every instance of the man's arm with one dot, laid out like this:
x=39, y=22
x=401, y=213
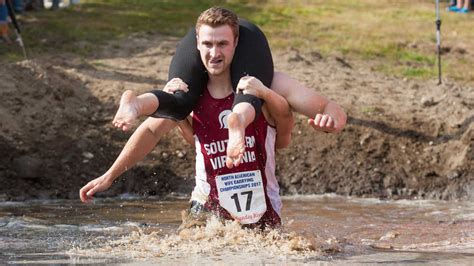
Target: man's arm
x=325, y=115
x=142, y=142
x=278, y=108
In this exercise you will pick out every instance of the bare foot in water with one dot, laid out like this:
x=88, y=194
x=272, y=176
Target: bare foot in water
x=236, y=144
x=128, y=111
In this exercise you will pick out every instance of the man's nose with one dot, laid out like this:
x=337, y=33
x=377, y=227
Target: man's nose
x=214, y=51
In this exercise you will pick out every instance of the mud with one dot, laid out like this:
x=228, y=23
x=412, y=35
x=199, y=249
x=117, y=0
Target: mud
x=404, y=138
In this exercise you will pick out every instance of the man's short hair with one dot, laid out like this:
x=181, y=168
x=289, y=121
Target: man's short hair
x=218, y=16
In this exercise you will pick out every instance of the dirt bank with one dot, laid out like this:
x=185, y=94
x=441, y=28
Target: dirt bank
x=404, y=138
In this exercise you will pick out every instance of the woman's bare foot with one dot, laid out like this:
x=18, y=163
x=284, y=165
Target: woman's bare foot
x=236, y=144
x=128, y=111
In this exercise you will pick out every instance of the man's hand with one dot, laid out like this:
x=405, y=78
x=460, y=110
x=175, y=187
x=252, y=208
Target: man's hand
x=97, y=185
x=174, y=85
x=322, y=122
x=253, y=86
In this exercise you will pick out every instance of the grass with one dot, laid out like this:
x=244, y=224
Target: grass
x=368, y=110
x=397, y=36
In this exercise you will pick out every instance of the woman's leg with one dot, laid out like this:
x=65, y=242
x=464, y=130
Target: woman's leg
x=467, y=4
x=252, y=58
x=186, y=65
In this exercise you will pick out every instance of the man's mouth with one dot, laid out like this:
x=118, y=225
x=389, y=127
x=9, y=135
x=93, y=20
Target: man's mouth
x=215, y=61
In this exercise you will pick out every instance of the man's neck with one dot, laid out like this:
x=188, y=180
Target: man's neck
x=220, y=86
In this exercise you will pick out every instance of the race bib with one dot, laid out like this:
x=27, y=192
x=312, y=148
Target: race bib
x=242, y=195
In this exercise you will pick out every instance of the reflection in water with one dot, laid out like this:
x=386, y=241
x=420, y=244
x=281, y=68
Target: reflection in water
x=315, y=228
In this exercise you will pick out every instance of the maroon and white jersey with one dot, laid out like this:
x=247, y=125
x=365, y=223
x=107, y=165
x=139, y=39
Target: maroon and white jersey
x=248, y=193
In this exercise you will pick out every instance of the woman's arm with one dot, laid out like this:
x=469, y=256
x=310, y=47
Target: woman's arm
x=186, y=129
x=278, y=108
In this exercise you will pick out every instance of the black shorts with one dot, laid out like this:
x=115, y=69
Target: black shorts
x=252, y=57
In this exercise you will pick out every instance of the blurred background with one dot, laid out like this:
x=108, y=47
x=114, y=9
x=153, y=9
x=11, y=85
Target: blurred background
x=399, y=36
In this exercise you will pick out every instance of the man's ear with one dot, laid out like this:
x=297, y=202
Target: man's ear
x=236, y=42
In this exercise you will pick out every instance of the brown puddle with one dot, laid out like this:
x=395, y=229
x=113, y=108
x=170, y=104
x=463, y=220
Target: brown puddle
x=316, y=228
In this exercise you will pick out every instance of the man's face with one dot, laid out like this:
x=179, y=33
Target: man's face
x=217, y=47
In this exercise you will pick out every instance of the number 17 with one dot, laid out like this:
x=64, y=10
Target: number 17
x=235, y=197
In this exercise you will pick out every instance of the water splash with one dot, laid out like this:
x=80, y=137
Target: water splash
x=214, y=239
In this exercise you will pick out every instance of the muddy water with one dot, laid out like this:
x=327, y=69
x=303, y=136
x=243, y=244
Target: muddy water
x=316, y=229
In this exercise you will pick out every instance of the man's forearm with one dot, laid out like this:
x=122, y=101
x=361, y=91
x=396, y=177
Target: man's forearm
x=142, y=142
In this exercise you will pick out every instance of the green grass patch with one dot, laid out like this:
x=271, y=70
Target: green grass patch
x=99, y=64
x=368, y=110
x=415, y=57
x=417, y=72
